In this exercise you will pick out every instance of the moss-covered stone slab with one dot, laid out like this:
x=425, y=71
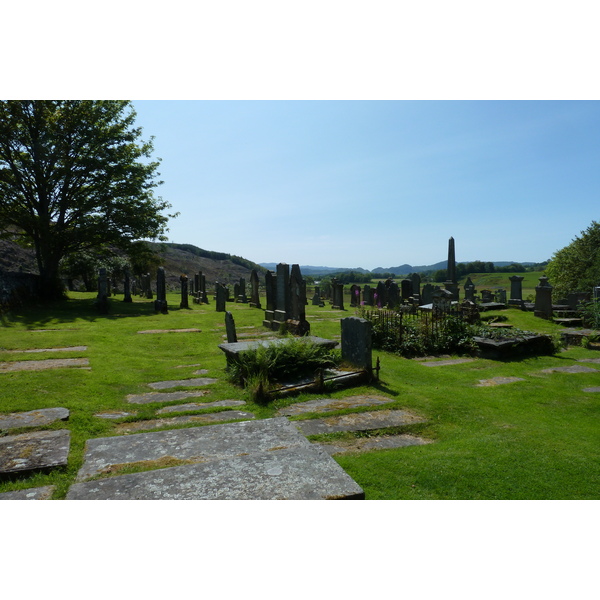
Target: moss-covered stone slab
x=40, y=493
x=199, y=406
x=358, y=422
x=193, y=382
x=189, y=330
x=114, y=414
x=33, y=418
x=164, y=396
x=38, y=450
x=497, y=381
x=225, y=415
x=375, y=443
x=332, y=404
x=36, y=350
x=444, y=363
x=39, y=365
x=253, y=460
x=571, y=369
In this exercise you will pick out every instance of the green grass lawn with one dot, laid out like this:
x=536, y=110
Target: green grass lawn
x=534, y=439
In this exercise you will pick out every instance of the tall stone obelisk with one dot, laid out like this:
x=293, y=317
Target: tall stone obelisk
x=451, y=283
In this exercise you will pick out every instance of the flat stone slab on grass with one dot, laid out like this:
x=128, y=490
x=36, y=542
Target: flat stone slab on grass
x=377, y=443
x=33, y=418
x=572, y=369
x=34, y=350
x=41, y=493
x=330, y=404
x=592, y=389
x=443, y=363
x=225, y=415
x=115, y=414
x=33, y=451
x=251, y=460
x=497, y=381
x=38, y=365
x=191, y=330
x=589, y=360
x=358, y=422
x=164, y=396
x=165, y=385
x=199, y=406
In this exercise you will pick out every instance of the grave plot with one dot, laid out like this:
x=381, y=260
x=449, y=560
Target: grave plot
x=37, y=350
x=164, y=396
x=41, y=493
x=38, y=365
x=33, y=418
x=38, y=450
x=198, y=381
x=388, y=442
x=329, y=404
x=250, y=460
x=199, y=406
x=203, y=419
x=497, y=381
x=190, y=330
x=444, y=363
x=570, y=369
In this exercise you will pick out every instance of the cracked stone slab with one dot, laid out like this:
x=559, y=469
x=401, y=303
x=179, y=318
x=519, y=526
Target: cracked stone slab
x=215, y=442
x=358, y=422
x=225, y=415
x=38, y=365
x=164, y=396
x=34, y=350
x=497, y=381
x=378, y=443
x=164, y=385
x=303, y=472
x=572, y=369
x=199, y=406
x=114, y=414
x=33, y=418
x=191, y=330
x=330, y=404
x=40, y=493
x=443, y=363
x=33, y=451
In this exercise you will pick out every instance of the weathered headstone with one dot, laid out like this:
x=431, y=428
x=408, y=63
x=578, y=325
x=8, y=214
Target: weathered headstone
x=160, y=304
x=427, y=294
x=316, y=299
x=354, y=296
x=184, y=292
x=271, y=292
x=406, y=289
x=356, y=342
x=516, y=290
x=394, y=295
x=254, y=293
x=368, y=293
x=416, y=284
x=337, y=290
x=230, y=328
x=127, y=287
x=380, y=295
x=221, y=299
x=282, y=299
x=501, y=296
x=469, y=288
x=543, y=299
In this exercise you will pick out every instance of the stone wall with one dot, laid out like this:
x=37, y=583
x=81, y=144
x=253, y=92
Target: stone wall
x=17, y=288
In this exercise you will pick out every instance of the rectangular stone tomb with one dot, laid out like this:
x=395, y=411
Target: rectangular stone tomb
x=34, y=451
x=233, y=349
x=250, y=460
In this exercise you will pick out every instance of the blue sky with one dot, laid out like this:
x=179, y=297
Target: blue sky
x=377, y=183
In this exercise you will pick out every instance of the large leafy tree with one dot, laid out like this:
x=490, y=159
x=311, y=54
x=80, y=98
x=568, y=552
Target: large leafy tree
x=576, y=267
x=76, y=176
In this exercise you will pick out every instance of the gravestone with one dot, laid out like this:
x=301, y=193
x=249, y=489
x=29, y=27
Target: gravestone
x=127, y=287
x=241, y=295
x=271, y=292
x=184, y=292
x=297, y=314
x=282, y=297
x=469, y=288
x=356, y=342
x=316, y=299
x=203, y=294
x=160, y=304
x=487, y=296
x=406, y=289
x=148, y=287
x=516, y=290
x=501, y=296
x=337, y=290
x=427, y=294
x=416, y=284
x=254, y=293
x=102, y=298
x=451, y=283
x=543, y=299
x=221, y=297
x=393, y=295
x=354, y=296
x=230, y=328
x=368, y=292
x=380, y=295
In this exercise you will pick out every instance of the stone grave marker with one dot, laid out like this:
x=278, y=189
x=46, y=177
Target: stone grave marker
x=230, y=328
x=184, y=292
x=37, y=450
x=356, y=342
